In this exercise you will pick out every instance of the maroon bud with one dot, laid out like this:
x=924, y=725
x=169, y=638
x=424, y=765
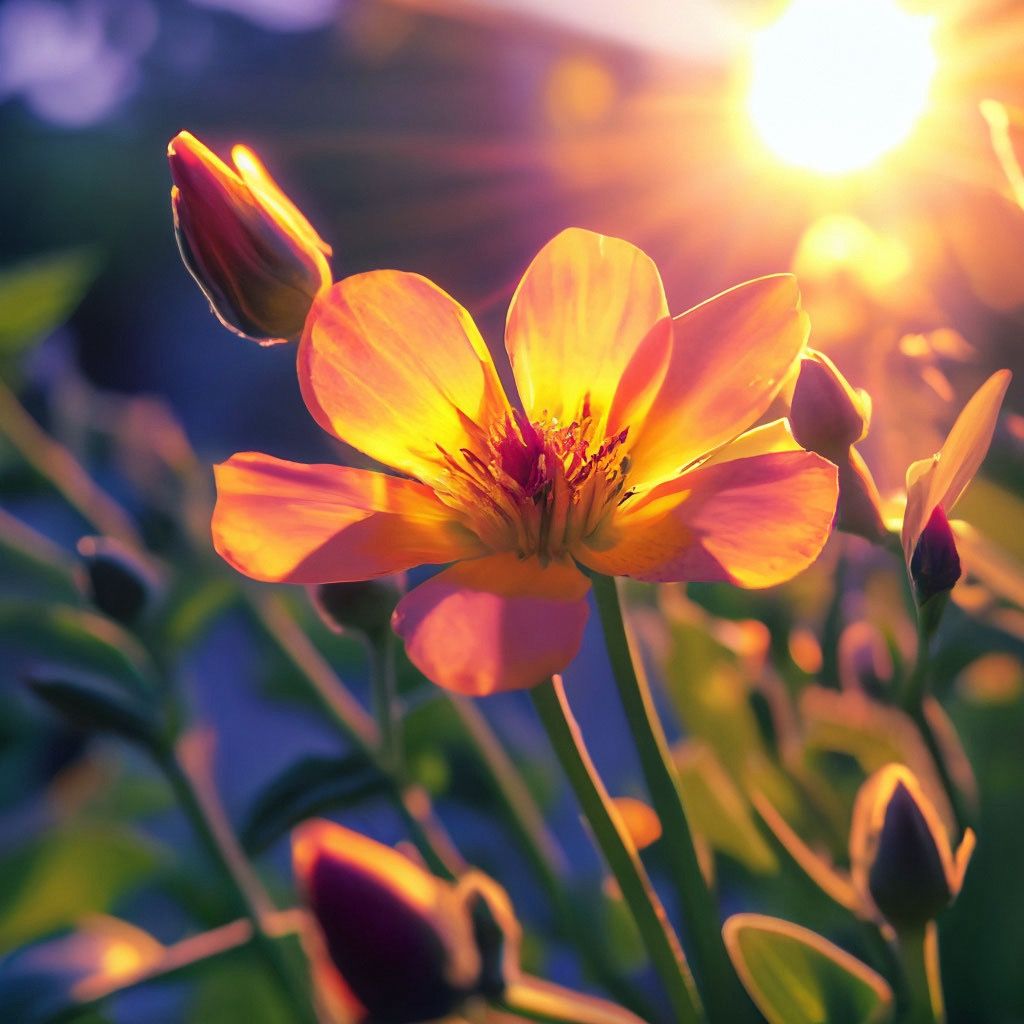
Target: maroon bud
x=935, y=563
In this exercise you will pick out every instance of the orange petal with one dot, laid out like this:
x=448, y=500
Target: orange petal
x=585, y=307
x=395, y=366
x=754, y=522
x=282, y=521
x=941, y=479
x=730, y=356
x=495, y=623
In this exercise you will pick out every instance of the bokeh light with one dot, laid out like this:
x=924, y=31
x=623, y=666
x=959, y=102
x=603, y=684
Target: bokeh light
x=837, y=83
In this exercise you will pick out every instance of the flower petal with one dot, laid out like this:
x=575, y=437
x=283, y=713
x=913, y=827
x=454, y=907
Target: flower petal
x=495, y=623
x=941, y=479
x=282, y=521
x=730, y=356
x=394, y=366
x=585, y=306
x=754, y=521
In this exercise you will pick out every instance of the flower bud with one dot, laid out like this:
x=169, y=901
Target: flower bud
x=115, y=579
x=364, y=607
x=935, y=563
x=827, y=414
x=398, y=944
x=900, y=853
x=828, y=417
x=251, y=251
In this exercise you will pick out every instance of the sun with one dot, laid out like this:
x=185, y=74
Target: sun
x=837, y=83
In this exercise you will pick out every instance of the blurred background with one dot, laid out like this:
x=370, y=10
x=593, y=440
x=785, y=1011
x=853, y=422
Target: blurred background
x=869, y=146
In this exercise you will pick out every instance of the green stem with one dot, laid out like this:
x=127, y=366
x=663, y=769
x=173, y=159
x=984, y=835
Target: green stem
x=349, y=718
x=387, y=709
x=662, y=944
x=213, y=830
x=546, y=857
x=725, y=999
x=919, y=955
x=912, y=700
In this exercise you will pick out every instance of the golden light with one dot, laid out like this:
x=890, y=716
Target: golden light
x=837, y=83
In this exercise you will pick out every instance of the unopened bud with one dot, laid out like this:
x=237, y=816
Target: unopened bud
x=405, y=946
x=900, y=854
x=250, y=249
x=116, y=579
x=935, y=563
x=365, y=607
x=827, y=414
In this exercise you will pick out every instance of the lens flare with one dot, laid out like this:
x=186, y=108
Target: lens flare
x=837, y=83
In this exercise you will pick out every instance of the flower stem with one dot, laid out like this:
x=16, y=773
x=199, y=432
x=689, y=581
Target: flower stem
x=919, y=955
x=720, y=987
x=546, y=857
x=386, y=707
x=203, y=810
x=662, y=944
x=912, y=701
x=347, y=715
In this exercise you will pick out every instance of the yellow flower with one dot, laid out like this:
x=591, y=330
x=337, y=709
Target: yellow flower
x=626, y=455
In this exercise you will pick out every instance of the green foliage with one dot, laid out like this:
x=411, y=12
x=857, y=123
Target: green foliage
x=60, y=635
x=97, y=703
x=54, y=880
x=313, y=786
x=39, y=295
x=797, y=977
x=718, y=810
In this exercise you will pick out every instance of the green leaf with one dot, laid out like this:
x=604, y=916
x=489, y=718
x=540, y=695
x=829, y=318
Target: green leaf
x=711, y=693
x=309, y=787
x=60, y=635
x=797, y=977
x=39, y=295
x=56, y=879
x=239, y=992
x=30, y=567
x=718, y=810
x=96, y=703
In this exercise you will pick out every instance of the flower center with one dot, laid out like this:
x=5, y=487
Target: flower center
x=540, y=487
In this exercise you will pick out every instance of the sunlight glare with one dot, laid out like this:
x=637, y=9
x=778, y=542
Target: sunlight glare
x=837, y=83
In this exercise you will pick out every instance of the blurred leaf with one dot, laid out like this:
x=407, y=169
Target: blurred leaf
x=797, y=977
x=57, y=879
x=718, y=810
x=38, y=296
x=96, y=703
x=873, y=734
x=711, y=695
x=239, y=992
x=312, y=786
x=994, y=511
x=60, y=635
x=30, y=567
x=40, y=982
x=193, y=609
